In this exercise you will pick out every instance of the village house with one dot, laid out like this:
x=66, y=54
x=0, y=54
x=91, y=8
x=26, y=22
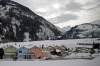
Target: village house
x=39, y=53
x=45, y=49
x=63, y=48
x=56, y=50
x=24, y=53
x=50, y=48
x=10, y=52
x=57, y=47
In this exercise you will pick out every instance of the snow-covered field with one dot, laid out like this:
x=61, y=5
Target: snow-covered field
x=78, y=62
x=70, y=43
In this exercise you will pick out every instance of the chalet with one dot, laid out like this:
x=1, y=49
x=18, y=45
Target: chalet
x=38, y=52
x=48, y=48
x=10, y=52
x=57, y=47
x=56, y=50
x=24, y=53
x=63, y=48
x=45, y=49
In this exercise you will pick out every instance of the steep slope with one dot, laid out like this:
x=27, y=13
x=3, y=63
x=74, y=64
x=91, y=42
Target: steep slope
x=64, y=29
x=96, y=22
x=19, y=23
x=86, y=30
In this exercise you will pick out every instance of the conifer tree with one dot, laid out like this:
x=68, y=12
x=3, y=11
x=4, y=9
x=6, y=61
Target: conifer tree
x=1, y=53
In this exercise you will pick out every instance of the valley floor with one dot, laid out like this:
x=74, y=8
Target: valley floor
x=72, y=43
x=75, y=62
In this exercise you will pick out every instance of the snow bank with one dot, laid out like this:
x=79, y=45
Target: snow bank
x=94, y=62
x=54, y=56
x=46, y=63
x=96, y=54
x=79, y=55
x=78, y=62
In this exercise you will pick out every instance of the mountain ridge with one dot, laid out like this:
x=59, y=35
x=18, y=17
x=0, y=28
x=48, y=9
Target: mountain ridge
x=18, y=21
x=86, y=30
x=96, y=22
x=64, y=29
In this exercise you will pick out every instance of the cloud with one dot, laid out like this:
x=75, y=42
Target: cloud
x=73, y=6
x=93, y=9
x=92, y=5
x=64, y=18
x=65, y=11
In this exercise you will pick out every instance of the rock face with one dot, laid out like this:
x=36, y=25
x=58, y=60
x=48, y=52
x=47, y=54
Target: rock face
x=19, y=23
x=87, y=30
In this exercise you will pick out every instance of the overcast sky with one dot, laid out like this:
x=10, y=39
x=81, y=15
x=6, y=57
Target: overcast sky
x=65, y=12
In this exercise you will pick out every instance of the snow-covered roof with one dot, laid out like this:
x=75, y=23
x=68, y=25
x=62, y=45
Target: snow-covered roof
x=57, y=50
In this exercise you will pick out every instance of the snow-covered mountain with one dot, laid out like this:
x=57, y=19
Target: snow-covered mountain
x=19, y=23
x=64, y=29
x=87, y=30
x=96, y=22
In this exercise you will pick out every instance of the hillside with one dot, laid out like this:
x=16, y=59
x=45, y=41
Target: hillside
x=96, y=22
x=19, y=23
x=86, y=30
